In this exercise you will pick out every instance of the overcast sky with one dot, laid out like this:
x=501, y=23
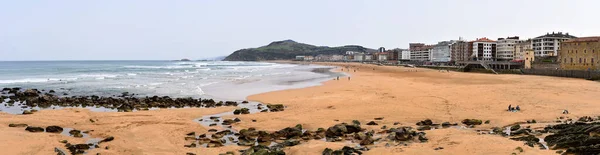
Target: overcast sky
x=175, y=29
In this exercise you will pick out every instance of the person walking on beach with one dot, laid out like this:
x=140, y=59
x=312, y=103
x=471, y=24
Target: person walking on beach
x=509, y=107
x=338, y=78
x=348, y=78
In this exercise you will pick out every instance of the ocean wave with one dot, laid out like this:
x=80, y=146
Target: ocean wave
x=36, y=80
x=160, y=67
x=32, y=80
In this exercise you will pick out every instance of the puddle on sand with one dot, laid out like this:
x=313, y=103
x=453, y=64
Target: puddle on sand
x=543, y=143
x=206, y=121
x=19, y=107
x=507, y=131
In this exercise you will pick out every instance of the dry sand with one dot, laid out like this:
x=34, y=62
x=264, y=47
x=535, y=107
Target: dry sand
x=373, y=91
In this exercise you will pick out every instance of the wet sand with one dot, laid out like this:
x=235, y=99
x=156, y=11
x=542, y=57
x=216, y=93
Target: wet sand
x=389, y=92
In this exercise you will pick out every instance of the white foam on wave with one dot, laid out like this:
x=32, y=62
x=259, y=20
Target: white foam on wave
x=159, y=67
x=36, y=80
x=27, y=80
x=199, y=90
x=97, y=76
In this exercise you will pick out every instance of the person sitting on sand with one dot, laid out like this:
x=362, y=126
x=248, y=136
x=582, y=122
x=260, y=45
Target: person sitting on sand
x=565, y=111
x=348, y=78
x=518, y=108
x=509, y=107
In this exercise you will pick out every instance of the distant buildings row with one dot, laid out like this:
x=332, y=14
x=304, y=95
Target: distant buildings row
x=571, y=53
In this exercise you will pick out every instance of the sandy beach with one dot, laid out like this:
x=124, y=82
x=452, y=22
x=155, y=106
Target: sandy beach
x=397, y=94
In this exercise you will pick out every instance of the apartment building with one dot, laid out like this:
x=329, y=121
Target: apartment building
x=505, y=48
x=483, y=49
x=549, y=44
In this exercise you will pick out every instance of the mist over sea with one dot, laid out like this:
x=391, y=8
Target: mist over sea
x=206, y=79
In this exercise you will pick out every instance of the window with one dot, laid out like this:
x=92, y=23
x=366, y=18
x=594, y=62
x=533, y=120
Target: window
x=566, y=60
x=571, y=60
x=592, y=61
x=584, y=60
x=584, y=51
x=579, y=60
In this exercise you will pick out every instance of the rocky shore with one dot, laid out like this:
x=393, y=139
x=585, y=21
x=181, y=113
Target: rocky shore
x=126, y=102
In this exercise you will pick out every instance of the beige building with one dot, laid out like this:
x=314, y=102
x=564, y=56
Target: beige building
x=529, y=58
x=580, y=54
x=520, y=49
x=505, y=48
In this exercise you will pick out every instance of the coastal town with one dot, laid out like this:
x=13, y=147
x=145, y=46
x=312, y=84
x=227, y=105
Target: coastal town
x=555, y=50
x=309, y=77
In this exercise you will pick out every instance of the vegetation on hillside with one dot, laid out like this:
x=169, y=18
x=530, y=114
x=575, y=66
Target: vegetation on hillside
x=289, y=49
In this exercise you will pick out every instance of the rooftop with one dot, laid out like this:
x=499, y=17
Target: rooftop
x=484, y=39
x=557, y=35
x=584, y=39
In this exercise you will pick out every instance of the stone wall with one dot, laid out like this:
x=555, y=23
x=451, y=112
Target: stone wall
x=592, y=75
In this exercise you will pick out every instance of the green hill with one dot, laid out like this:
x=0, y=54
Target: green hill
x=289, y=49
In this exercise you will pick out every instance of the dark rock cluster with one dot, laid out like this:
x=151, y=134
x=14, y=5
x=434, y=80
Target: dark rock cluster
x=265, y=142
x=73, y=148
x=581, y=137
x=344, y=151
x=123, y=103
x=427, y=124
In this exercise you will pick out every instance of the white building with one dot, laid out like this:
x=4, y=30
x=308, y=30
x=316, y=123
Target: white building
x=484, y=49
x=309, y=58
x=549, y=44
x=359, y=57
x=368, y=57
x=405, y=55
x=300, y=57
x=382, y=57
x=505, y=48
x=441, y=52
x=337, y=57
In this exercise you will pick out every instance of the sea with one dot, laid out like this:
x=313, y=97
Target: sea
x=221, y=80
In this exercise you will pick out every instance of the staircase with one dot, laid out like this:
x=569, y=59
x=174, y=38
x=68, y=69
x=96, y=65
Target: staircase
x=485, y=65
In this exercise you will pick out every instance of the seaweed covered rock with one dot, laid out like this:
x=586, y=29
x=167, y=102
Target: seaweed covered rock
x=529, y=140
x=577, y=138
x=17, y=125
x=275, y=107
x=262, y=150
x=289, y=132
x=401, y=134
x=344, y=151
x=472, y=122
x=425, y=122
x=54, y=129
x=341, y=129
x=34, y=129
